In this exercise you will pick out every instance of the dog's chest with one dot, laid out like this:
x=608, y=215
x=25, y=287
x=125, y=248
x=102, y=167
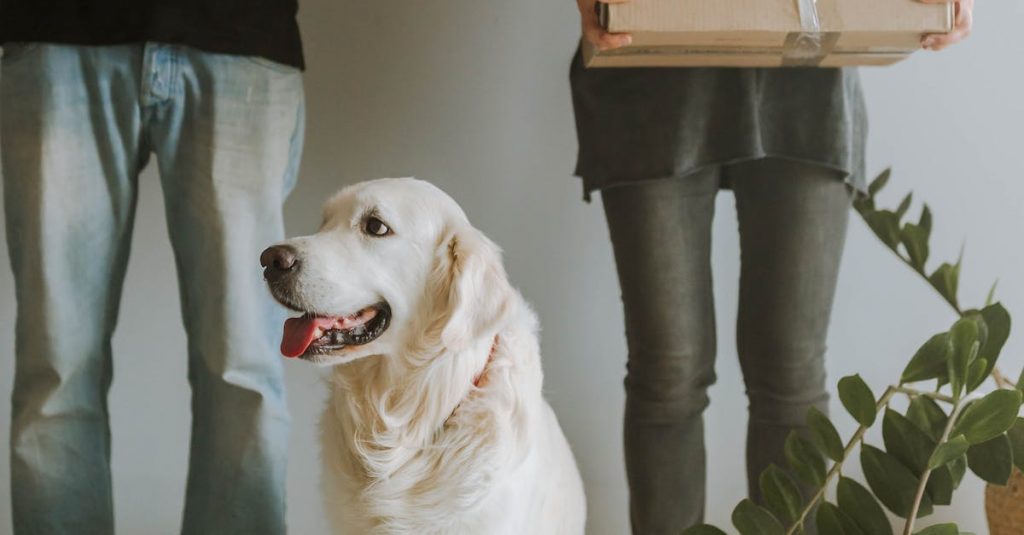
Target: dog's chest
x=463, y=482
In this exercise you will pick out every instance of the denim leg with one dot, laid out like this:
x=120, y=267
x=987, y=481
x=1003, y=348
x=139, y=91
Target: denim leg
x=70, y=151
x=227, y=132
x=793, y=220
x=661, y=235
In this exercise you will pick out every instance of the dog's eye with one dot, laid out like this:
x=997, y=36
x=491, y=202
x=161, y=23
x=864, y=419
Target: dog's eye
x=376, y=227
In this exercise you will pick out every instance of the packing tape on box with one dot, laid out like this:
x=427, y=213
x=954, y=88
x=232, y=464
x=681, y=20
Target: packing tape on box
x=809, y=47
x=809, y=20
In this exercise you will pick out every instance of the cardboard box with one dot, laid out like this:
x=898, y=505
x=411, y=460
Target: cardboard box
x=767, y=33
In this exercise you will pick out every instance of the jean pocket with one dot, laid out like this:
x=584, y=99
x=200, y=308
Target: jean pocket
x=272, y=65
x=15, y=51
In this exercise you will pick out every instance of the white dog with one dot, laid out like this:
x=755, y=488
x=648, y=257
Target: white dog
x=435, y=422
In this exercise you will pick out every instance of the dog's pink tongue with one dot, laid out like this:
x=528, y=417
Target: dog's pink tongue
x=300, y=332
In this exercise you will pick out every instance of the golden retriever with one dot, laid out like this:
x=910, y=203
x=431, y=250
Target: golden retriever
x=435, y=421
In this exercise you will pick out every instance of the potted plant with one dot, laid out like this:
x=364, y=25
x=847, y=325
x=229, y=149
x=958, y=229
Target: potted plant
x=948, y=426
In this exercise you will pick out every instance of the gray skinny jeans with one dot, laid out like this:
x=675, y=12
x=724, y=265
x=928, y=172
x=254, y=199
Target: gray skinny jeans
x=792, y=223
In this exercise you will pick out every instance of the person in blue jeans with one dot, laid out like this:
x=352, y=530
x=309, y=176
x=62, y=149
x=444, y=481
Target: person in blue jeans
x=89, y=91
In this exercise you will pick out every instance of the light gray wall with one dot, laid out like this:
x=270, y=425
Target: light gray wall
x=474, y=96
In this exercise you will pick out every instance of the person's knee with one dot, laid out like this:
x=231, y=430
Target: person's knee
x=238, y=386
x=787, y=403
x=784, y=380
x=668, y=385
x=59, y=387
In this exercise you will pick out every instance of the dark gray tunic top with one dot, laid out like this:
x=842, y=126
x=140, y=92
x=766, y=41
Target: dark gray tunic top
x=638, y=124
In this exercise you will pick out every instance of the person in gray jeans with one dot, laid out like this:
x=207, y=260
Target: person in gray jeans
x=659, y=144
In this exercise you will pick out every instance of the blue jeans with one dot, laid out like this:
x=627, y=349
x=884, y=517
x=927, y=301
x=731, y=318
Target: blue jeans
x=78, y=125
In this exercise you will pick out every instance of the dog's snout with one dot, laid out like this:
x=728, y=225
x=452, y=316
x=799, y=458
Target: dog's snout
x=278, y=261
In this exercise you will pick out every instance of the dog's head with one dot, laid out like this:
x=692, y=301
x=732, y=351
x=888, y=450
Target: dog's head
x=394, y=265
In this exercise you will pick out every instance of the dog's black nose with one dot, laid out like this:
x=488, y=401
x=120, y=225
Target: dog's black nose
x=279, y=261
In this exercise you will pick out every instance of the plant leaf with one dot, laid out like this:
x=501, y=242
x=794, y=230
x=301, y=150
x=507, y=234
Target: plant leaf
x=940, y=529
x=858, y=399
x=863, y=204
x=906, y=441
x=928, y=416
x=892, y=482
x=991, y=294
x=833, y=521
x=1016, y=436
x=925, y=222
x=958, y=468
x=885, y=225
x=972, y=357
x=824, y=434
x=704, y=529
x=913, y=447
x=963, y=336
x=879, y=182
x=751, y=519
x=998, y=321
x=975, y=316
x=904, y=206
x=930, y=360
x=915, y=241
x=781, y=494
x=858, y=502
x=940, y=486
x=805, y=460
x=948, y=452
x=976, y=374
x=945, y=280
x=992, y=460
x=989, y=417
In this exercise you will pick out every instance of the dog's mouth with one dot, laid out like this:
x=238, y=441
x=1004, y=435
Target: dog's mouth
x=316, y=334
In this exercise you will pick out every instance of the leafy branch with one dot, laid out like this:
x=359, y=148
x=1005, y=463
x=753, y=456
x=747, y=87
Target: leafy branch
x=927, y=450
x=837, y=468
x=923, y=485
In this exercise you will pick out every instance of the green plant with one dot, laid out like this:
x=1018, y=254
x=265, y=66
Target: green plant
x=929, y=446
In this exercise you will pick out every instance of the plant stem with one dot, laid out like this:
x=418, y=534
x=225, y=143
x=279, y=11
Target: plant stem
x=908, y=528
x=923, y=273
x=838, y=466
x=933, y=395
x=1001, y=379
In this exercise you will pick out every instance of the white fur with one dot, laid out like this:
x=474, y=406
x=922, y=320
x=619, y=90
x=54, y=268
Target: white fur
x=410, y=445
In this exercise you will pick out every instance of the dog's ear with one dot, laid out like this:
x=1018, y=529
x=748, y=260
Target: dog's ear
x=476, y=287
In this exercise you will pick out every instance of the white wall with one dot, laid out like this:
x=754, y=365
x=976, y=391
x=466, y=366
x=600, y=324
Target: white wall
x=474, y=96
